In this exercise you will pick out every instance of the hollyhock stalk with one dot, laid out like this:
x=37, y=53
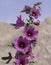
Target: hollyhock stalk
x=23, y=44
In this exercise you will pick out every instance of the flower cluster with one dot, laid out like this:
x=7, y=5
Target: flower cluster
x=23, y=44
x=29, y=35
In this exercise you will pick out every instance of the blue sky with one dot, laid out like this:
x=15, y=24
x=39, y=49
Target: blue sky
x=10, y=9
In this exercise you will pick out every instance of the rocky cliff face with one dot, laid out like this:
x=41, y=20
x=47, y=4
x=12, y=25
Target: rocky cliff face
x=42, y=51
x=7, y=33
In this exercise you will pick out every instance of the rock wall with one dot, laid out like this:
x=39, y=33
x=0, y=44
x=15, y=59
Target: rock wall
x=42, y=51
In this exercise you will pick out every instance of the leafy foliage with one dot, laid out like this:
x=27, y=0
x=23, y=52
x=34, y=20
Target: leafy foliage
x=7, y=58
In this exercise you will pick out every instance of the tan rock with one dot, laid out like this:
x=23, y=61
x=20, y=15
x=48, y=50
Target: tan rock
x=7, y=33
x=43, y=49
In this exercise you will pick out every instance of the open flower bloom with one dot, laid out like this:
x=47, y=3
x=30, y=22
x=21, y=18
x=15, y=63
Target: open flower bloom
x=19, y=22
x=30, y=33
x=26, y=9
x=21, y=60
x=35, y=13
x=21, y=44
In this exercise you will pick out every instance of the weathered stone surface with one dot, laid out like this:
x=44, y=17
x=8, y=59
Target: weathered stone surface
x=7, y=33
x=42, y=51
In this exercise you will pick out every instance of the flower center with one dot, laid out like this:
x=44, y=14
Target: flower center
x=22, y=45
x=33, y=13
x=21, y=63
x=29, y=34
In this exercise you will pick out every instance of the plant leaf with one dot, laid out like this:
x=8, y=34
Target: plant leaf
x=37, y=3
x=32, y=62
x=7, y=58
x=11, y=45
x=13, y=24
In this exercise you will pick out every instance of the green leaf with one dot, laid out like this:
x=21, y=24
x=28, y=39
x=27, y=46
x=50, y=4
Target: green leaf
x=32, y=62
x=7, y=58
x=11, y=45
x=13, y=24
x=37, y=3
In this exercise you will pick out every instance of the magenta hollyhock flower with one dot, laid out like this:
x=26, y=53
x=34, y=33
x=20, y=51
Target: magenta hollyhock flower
x=21, y=44
x=19, y=22
x=30, y=33
x=37, y=23
x=21, y=60
x=29, y=53
x=19, y=53
x=26, y=9
x=35, y=13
